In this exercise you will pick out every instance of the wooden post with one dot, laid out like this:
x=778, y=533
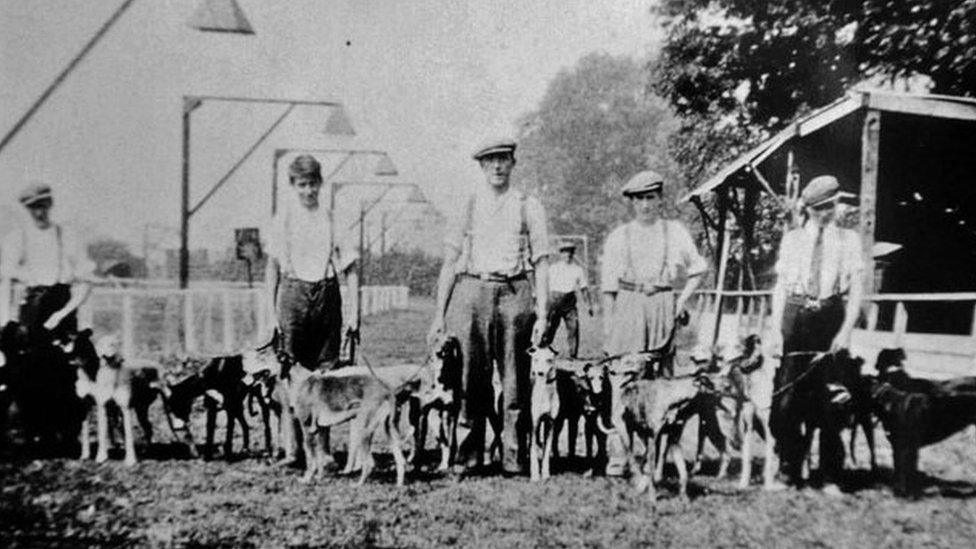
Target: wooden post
x=901, y=323
x=6, y=300
x=723, y=260
x=873, y=316
x=189, y=335
x=228, y=321
x=870, y=143
x=128, y=328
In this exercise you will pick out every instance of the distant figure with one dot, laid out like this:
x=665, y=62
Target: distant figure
x=819, y=265
x=49, y=260
x=485, y=298
x=567, y=281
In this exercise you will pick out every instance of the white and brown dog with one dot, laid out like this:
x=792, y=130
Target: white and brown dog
x=544, y=409
x=130, y=385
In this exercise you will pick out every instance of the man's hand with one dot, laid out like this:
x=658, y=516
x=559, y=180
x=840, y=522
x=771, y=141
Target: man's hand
x=538, y=330
x=774, y=342
x=842, y=340
x=590, y=311
x=436, y=329
x=352, y=332
x=682, y=318
x=53, y=321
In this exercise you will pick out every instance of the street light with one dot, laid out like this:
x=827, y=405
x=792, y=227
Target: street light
x=337, y=123
x=211, y=16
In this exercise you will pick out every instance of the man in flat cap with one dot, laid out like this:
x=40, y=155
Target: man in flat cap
x=819, y=268
x=643, y=261
x=306, y=262
x=48, y=259
x=493, y=255
x=567, y=283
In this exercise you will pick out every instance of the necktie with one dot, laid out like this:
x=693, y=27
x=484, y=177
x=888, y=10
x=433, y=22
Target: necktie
x=816, y=261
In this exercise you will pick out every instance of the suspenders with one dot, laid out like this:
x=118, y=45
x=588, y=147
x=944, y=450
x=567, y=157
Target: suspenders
x=523, y=238
x=60, y=245
x=662, y=278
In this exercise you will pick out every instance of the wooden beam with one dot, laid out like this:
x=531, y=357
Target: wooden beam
x=870, y=145
x=723, y=261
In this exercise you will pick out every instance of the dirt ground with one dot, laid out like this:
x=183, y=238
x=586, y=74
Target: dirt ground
x=170, y=500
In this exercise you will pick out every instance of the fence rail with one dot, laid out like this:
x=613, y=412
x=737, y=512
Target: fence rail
x=155, y=321
x=937, y=330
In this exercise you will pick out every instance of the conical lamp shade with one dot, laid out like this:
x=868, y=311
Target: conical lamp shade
x=385, y=166
x=220, y=16
x=338, y=123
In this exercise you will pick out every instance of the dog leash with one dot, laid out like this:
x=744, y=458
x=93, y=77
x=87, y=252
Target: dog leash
x=813, y=365
x=412, y=377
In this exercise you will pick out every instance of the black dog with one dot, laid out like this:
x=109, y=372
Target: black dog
x=913, y=420
x=891, y=368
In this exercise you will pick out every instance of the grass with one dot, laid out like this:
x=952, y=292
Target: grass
x=169, y=500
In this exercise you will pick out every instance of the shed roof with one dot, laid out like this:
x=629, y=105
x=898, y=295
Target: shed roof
x=928, y=105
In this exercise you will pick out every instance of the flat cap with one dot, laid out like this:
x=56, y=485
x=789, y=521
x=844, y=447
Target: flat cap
x=499, y=145
x=820, y=190
x=566, y=245
x=34, y=192
x=644, y=182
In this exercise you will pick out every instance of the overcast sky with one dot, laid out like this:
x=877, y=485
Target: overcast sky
x=425, y=80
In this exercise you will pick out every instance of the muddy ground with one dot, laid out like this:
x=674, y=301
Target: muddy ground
x=171, y=500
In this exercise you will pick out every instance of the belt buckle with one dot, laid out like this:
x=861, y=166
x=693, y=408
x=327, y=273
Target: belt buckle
x=812, y=303
x=485, y=277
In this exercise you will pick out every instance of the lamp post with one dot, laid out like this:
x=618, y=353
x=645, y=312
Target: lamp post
x=211, y=16
x=337, y=123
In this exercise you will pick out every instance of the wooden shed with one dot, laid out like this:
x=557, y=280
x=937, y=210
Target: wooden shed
x=910, y=162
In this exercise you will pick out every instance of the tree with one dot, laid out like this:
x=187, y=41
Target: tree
x=593, y=129
x=736, y=71
x=771, y=60
x=113, y=257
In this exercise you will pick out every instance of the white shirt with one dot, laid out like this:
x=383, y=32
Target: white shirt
x=841, y=259
x=566, y=277
x=494, y=231
x=636, y=252
x=300, y=240
x=38, y=257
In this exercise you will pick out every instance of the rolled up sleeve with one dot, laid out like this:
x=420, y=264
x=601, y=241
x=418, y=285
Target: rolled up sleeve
x=11, y=255
x=611, y=265
x=535, y=218
x=691, y=260
x=80, y=267
x=457, y=225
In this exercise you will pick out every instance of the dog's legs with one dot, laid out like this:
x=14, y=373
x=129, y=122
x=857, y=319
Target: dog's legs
x=229, y=432
x=142, y=414
x=549, y=439
x=647, y=479
x=129, y=435
x=310, y=436
x=700, y=448
x=534, y=450
x=211, y=427
x=868, y=428
x=679, y=462
x=102, y=419
x=393, y=434
x=572, y=433
x=661, y=450
x=85, y=436
x=745, y=426
x=557, y=427
x=245, y=428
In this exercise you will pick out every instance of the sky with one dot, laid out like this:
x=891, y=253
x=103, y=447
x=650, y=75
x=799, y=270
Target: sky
x=424, y=80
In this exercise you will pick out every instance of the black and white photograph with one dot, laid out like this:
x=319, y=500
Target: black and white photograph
x=431, y=273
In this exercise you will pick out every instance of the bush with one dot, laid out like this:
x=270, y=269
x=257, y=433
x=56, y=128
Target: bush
x=416, y=270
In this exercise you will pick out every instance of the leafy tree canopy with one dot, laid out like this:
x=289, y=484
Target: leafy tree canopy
x=595, y=127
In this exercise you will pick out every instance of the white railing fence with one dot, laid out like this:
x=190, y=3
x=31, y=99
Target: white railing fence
x=945, y=348
x=196, y=321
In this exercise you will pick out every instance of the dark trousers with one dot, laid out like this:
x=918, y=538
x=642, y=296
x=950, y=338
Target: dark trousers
x=39, y=303
x=493, y=322
x=804, y=404
x=562, y=306
x=310, y=318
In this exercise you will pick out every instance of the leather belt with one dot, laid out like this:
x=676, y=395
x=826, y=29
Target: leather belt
x=646, y=289
x=496, y=277
x=812, y=303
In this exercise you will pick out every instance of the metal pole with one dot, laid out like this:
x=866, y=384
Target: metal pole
x=185, y=200
x=64, y=74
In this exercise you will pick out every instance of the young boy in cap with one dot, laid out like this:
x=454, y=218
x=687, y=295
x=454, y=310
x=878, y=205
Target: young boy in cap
x=566, y=280
x=485, y=298
x=305, y=262
x=819, y=264
x=643, y=260
x=48, y=259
